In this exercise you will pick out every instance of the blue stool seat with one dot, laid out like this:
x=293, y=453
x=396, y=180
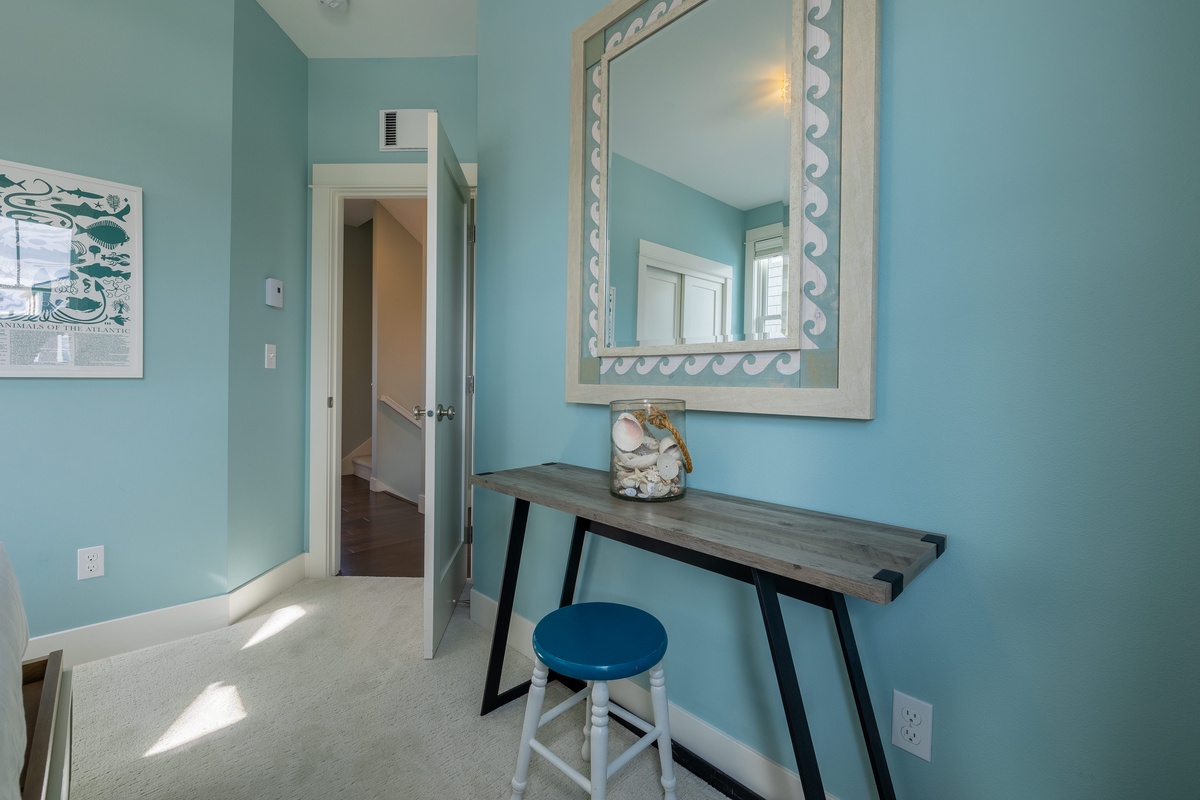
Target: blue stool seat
x=599, y=641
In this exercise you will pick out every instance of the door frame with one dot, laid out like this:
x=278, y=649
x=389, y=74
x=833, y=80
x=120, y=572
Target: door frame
x=331, y=184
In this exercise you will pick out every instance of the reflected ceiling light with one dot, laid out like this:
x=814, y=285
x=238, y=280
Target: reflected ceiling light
x=335, y=5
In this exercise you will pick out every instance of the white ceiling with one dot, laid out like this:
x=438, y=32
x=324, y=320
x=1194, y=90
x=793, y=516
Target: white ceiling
x=379, y=28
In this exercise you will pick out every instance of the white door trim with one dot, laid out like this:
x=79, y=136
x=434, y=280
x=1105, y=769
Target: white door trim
x=331, y=184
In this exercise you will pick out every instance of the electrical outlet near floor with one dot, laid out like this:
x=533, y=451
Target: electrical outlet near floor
x=90, y=562
x=912, y=725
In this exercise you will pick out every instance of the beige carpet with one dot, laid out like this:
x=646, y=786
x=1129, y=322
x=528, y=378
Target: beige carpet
x=322, y=693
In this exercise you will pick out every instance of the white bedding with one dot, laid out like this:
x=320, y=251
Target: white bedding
x=14, y=636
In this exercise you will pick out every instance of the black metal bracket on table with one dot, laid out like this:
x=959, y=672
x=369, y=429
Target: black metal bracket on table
x=768, y=587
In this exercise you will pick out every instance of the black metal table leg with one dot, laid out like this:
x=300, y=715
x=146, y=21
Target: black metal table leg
x=574, y=554
x=789, y=685
x=493, y=698
x=862, y=699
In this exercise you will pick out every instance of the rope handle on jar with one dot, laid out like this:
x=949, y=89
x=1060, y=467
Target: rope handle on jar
x=659, y=419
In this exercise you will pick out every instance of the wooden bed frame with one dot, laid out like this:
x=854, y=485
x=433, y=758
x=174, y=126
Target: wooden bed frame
x=40, y=684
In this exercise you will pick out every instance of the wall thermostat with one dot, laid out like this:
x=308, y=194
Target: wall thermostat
x=275, y=292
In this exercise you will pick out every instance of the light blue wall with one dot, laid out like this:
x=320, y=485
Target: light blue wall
x=137, y=93
x=644, y=204
x=1037, y=393
x=267, y=408
x=346, y=96
x=143, y=94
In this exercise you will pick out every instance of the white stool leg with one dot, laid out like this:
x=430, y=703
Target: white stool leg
x=658, y=698
x=586, y=750
x=533, y=712
x=599, y=719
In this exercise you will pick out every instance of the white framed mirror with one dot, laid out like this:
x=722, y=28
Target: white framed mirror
x=722, y=222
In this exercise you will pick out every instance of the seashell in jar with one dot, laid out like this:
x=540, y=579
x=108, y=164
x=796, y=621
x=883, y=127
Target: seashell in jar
x=642, y=461
x=668, y=464
x=657, y=489
x=666, y=443
x=634, y=461
x=627, y=433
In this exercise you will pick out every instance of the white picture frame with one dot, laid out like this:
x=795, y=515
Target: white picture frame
x=70, y=275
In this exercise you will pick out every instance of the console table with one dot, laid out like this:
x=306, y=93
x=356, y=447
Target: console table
x=813, y=557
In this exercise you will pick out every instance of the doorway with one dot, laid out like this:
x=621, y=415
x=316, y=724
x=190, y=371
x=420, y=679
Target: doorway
x=383, y=369
x=332, y=185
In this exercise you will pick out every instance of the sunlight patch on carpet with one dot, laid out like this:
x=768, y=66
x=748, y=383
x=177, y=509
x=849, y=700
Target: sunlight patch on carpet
x=217, y=707
x=275, y=623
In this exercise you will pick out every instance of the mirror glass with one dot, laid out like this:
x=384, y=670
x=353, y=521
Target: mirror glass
x=697, y=178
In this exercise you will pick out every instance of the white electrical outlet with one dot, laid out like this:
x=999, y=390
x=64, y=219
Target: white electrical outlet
x=90, y=562
x=912, y=725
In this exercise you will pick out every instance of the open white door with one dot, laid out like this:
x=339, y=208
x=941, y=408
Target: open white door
x=445, y=386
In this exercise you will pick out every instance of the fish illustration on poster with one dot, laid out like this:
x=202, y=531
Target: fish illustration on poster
x=70, y=275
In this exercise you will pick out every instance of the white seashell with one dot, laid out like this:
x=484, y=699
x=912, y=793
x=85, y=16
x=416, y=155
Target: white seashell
x=649, y=442
x=631, y=492
x=628, y=483
x=627, y=432
x=666, y=443
x=643, y=461
x=668, y=466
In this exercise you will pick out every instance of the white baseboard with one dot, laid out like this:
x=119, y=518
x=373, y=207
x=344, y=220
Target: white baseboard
x=254, y=593
x=379, y=486
x=123, y=635
x=745, y=765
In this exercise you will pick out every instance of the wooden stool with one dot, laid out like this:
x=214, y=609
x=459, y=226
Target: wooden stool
x=597, y=642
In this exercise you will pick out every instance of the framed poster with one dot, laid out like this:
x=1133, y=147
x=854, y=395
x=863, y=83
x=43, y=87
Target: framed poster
x=70, y=275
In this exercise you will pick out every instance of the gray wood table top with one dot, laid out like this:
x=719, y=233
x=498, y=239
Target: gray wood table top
x=837, y=553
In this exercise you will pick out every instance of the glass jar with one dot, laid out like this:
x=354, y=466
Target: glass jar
x=650, y=459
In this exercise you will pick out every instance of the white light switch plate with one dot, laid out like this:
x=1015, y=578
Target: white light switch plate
x=269, y=357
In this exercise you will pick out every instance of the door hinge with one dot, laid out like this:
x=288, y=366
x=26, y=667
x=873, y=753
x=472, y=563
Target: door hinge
x=471, y=233
x=469, y=534
x=330, y=402
x=470, y=384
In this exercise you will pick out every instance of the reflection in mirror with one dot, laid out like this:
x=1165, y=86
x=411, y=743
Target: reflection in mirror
x=698, y=140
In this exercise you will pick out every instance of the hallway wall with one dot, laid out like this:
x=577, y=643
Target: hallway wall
x=358, y=402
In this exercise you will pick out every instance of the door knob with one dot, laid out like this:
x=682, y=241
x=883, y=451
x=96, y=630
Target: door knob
x=419, y=412
x=444, y=412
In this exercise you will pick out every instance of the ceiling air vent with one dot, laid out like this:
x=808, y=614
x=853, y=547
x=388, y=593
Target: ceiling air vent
x=404, y=129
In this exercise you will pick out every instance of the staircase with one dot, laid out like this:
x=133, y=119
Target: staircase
x=362, y=466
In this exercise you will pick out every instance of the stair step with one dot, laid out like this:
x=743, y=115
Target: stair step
x=362, y=466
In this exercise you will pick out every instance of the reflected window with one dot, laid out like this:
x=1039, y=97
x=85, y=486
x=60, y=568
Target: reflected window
x=766, y=281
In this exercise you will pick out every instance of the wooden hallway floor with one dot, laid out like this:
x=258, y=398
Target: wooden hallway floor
x=382, y=535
